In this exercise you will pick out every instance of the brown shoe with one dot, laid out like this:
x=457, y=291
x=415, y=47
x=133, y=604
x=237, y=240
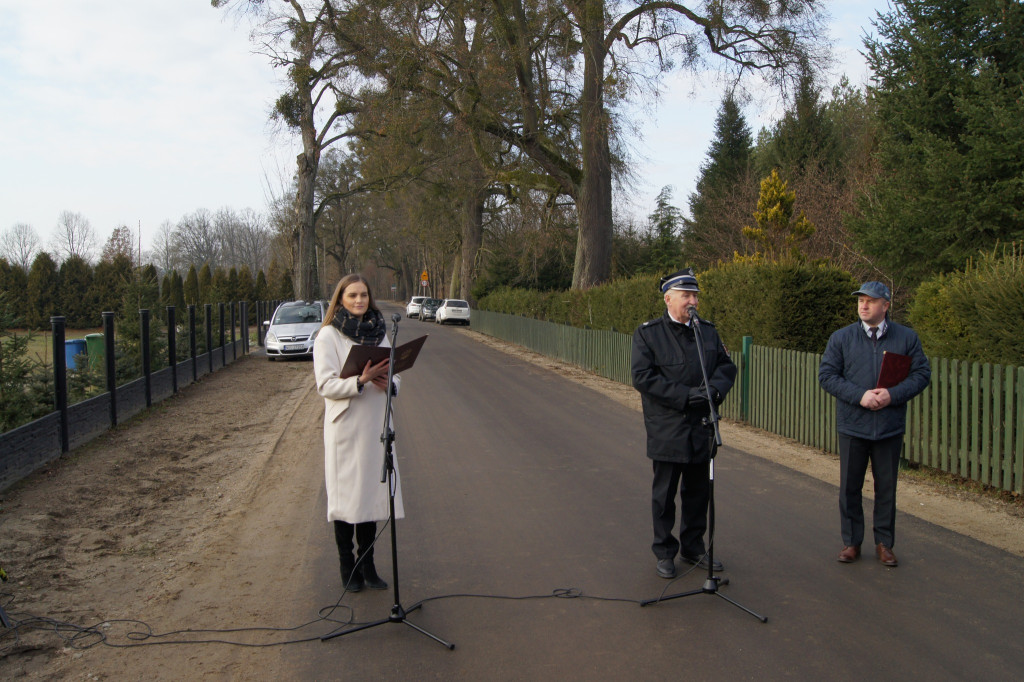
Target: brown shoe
x=849, y=554
x=886, y=556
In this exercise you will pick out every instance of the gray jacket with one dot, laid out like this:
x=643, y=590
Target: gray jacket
x=850, y=367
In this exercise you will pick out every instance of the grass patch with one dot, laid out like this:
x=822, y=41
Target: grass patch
x=40, y=344
x=955, y=484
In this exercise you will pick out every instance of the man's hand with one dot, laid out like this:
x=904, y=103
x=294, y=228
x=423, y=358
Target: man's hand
x=876, y=399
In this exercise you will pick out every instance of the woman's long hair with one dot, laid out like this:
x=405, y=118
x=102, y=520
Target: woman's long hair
x=339, y=291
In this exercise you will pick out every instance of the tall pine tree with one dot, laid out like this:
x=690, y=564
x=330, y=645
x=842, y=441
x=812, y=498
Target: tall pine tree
x=713, y=229
x=949, y=78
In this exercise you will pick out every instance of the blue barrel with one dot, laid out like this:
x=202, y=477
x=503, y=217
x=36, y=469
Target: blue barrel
x=73, y=347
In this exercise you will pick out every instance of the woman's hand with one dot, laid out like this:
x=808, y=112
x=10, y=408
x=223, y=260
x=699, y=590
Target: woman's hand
x=375, y=374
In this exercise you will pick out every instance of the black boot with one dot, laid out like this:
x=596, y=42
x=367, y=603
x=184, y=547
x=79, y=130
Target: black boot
x=365, y=534
x=351, y=579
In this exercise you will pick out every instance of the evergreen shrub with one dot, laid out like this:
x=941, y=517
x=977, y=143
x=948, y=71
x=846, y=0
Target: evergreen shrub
x=975, y=314
x=620, y=305
x=786, y=305
x=790, y=304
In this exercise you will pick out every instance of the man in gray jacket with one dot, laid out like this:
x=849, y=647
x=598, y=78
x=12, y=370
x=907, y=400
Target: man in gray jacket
x=871, y=421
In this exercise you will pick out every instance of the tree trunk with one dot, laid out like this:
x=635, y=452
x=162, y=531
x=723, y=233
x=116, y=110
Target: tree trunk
x=455, y=286
x=472, y=238
x=304, y=276
x=594, y=205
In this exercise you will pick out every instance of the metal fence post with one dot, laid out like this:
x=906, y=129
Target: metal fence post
x=234, y=348
x=172, y=349
x=260, y=305
x=192, y=338
x=208, y=314
x=243, y=307
x=147, y=374
x=108, y=345
x=60, y=378
x=223, y=349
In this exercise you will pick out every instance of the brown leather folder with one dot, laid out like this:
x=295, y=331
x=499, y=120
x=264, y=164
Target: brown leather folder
x=895, y=368
x=405, y=356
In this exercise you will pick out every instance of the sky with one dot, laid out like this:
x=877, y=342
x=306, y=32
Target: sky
x=138, y=113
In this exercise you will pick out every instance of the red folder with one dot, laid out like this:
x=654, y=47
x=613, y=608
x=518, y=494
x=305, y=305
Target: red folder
x=895, y=368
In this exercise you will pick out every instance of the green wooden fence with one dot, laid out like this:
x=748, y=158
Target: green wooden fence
x=969, y=421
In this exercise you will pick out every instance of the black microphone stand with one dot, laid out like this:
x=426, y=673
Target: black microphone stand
x=711, y=582
x=387, y=437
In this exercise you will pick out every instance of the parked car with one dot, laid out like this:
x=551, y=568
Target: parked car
x=293, y=328
x=452, y=310
x=412, y=309
x=428, y=310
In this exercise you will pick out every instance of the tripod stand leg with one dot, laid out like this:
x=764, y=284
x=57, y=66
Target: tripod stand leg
x=397, y=616
x=763, y=619
x=434, y=637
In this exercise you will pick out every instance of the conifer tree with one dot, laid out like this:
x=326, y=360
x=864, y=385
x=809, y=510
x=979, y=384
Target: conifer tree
x=711, y=231
x=191, y=290
x=42, y=291
x=948, y=80
x=205, y=284
x=75, y=296
x=777, y=236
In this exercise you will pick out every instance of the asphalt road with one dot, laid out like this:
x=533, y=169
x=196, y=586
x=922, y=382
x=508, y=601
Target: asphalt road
x=520, y=485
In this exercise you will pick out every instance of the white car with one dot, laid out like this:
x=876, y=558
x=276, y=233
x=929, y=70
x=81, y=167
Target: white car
x=293, y=328
x=452, y=310
x=412, y=309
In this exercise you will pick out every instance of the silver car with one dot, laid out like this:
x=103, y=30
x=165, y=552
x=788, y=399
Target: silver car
x=293, y=328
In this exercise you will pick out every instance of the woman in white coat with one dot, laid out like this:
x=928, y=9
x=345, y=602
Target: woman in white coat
x=353, y=410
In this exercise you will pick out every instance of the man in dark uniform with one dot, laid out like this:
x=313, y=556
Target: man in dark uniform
x=666, y=370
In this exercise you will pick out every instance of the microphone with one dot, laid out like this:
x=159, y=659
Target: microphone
x=396, y=317
x=692, y=312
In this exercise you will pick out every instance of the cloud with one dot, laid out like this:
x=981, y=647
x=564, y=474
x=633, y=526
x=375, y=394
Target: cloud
x=129, y=111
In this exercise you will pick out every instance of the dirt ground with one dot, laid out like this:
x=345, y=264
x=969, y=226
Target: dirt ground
x=170, y=515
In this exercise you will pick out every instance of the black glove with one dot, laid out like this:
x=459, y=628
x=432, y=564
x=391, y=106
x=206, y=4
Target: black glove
x=698, y=396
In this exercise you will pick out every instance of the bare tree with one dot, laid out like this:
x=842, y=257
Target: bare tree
x=74, y=236
x=165, y=253
x=253, y=238
x=120, y=243
x=19, y=245
x=299, y=37
x=225, y=224
x=554, y=73
x=196, y=239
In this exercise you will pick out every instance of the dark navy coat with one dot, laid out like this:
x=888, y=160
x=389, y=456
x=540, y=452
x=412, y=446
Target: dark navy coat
x=665, y=366
x=850, y=367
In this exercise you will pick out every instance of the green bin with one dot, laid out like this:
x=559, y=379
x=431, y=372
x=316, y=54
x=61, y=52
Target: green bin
x=96, y=349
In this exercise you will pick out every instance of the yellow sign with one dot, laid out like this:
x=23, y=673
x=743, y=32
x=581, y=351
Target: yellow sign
x=424, y=276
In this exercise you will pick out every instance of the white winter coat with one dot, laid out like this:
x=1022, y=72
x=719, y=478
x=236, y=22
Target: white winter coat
x=353, y=422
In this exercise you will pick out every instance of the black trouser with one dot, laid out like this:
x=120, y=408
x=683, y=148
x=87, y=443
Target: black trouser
x=854, y=455
x=694, y=493
x=364, y=534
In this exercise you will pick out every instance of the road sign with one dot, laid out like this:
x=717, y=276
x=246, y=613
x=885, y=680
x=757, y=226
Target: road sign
x=424, y=276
